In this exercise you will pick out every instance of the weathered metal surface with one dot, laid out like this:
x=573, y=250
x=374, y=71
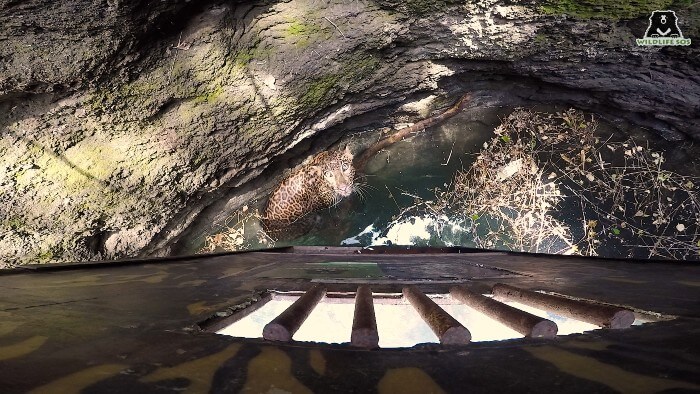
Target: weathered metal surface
x=523, y=322
x=591, y=312
x=364, y=323
x=234, y=313
x=448, y=330
x=283, y=327
x=131, y=327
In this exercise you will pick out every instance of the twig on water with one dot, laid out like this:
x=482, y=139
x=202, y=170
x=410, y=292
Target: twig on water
x=449, y=156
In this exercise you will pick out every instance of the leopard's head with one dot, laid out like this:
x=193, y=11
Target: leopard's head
x=338, y=174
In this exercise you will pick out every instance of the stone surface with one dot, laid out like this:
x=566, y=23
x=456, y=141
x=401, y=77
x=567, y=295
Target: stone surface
x=120, y=122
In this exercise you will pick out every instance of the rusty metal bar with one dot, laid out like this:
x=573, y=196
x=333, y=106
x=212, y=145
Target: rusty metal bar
x=215, y=324
x=364, y=323
x=523, y=322
x=446, y=327
x=283, y=327
x=601, y=315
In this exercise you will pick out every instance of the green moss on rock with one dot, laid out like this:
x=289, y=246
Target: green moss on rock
x=297, y=28
x=209, y=97
x=44, y=257
x=317, y=90
x=317, y=93
x=304, y=33
x=420, y=7
x=14, y=224
x=623, y=9
x=246, y=55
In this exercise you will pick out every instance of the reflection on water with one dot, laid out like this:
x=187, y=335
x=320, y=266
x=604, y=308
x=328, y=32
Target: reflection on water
x=412, y=187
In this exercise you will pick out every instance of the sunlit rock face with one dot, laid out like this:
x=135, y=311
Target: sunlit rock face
x=121, y=123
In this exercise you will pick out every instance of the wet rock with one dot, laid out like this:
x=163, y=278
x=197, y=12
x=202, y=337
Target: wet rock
x=122, y=122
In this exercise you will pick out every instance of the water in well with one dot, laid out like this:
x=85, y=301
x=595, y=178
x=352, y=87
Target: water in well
x=618, y=192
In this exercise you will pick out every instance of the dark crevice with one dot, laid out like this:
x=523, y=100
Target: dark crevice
x=166, y=107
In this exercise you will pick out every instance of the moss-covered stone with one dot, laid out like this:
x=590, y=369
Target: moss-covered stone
x=303, y=33
x=317, y=90
x=623, y=9
x=244, y=56
x=317, y=93
x=14, y=224
x=209, y=97
x=420, y=7
x=297, y=28
x=44, y=257
x=541, y=39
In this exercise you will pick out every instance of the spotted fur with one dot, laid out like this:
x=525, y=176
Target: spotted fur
x=321, y=183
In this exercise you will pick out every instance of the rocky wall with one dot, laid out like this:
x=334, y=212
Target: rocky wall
x=121, y=121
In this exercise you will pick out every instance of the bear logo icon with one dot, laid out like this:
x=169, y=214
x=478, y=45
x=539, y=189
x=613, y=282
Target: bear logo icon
x=663, y=24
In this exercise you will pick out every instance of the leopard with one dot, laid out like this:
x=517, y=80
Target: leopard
x=321, y=183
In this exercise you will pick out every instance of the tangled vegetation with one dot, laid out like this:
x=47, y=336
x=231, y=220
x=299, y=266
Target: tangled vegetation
x=241, y=231
x=546, y=183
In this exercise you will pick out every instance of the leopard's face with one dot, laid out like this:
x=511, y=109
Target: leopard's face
x=339, y=174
